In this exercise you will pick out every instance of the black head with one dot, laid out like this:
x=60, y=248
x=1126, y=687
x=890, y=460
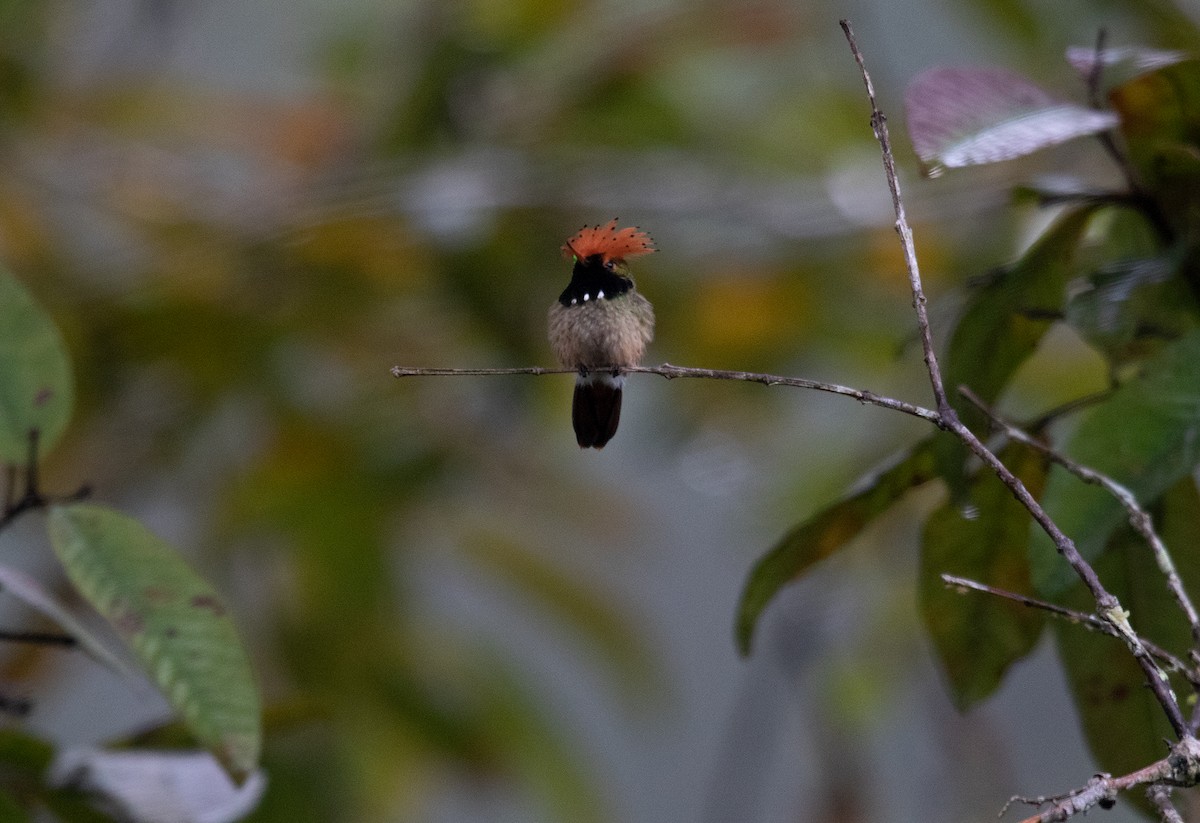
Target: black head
x=595, y=278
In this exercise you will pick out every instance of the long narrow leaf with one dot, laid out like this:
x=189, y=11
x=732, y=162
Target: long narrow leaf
x=1002, y=325
x=823, y=534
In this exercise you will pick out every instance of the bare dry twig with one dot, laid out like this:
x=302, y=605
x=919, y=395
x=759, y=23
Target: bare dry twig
x=1182, y=766
x=1107, y=604
x=1160, y=796
x=1176, y=769
x=1089, y=621
x=879, y=126
x=675, y=372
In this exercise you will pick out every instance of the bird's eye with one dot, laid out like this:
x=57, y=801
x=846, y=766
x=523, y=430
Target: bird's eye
x=610, y=265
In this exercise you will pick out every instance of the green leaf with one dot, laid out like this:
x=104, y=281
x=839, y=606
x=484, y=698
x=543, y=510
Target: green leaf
x=24, y=754
x=1130, y=300
x=1002, y=326
x=1006, y=318
x=10, y=810
x=1129, y=308
x=978, y=637
x=24, y=764
x=176, y=624
x=967, y=115
x=1144, y=437
x=73, y=806
x=1123, y=723
x=36, y=388
x=824, y=533
x=1160, y=121
x=1157, y=110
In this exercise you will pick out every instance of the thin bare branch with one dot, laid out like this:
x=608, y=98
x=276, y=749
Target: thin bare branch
x=1101, y=790
x=1139, y=518
x=38, y=638
x=879, y=126
x=675, y=372
x=1107, y=605
x=1179, y=768
x=1088, y=621
x=415, y=371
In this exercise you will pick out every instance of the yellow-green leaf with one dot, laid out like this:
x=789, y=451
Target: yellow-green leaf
x=175, y=623
x=36, y=388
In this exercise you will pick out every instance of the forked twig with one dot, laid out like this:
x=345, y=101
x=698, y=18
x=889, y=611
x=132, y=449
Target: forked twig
x=1089, y=621
x=1107, y=604
x=1139, y=518
x=1160, y=797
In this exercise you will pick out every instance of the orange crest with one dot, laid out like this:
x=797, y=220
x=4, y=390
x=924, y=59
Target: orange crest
x=608, y=242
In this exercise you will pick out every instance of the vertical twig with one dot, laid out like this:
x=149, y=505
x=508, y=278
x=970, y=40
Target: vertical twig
x=1108, y=606
x=879, y=126
x=31, y=468
x=1137, y=195
x=10, y=488
x=1097, y=69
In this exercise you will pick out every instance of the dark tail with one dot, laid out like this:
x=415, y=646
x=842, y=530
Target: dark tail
x=596, y=410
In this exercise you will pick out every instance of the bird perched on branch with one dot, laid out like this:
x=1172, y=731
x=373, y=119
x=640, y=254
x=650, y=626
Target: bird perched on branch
x=599, y=324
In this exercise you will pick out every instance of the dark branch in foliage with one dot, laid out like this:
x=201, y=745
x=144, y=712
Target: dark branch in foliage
x=1137, y=196
x=1088, y=621
x=38, y=638
x=15, y=706
x=1108, y=607
x=32, y=496
x=1139, y=518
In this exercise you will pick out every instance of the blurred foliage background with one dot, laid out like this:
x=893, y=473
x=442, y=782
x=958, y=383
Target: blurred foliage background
x=241, y=213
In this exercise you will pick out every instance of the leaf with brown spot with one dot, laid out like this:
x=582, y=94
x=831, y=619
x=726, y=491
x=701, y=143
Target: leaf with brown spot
x=176, y=624
x=204, y=601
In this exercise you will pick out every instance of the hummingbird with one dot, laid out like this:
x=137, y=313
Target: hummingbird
x=599, y=324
